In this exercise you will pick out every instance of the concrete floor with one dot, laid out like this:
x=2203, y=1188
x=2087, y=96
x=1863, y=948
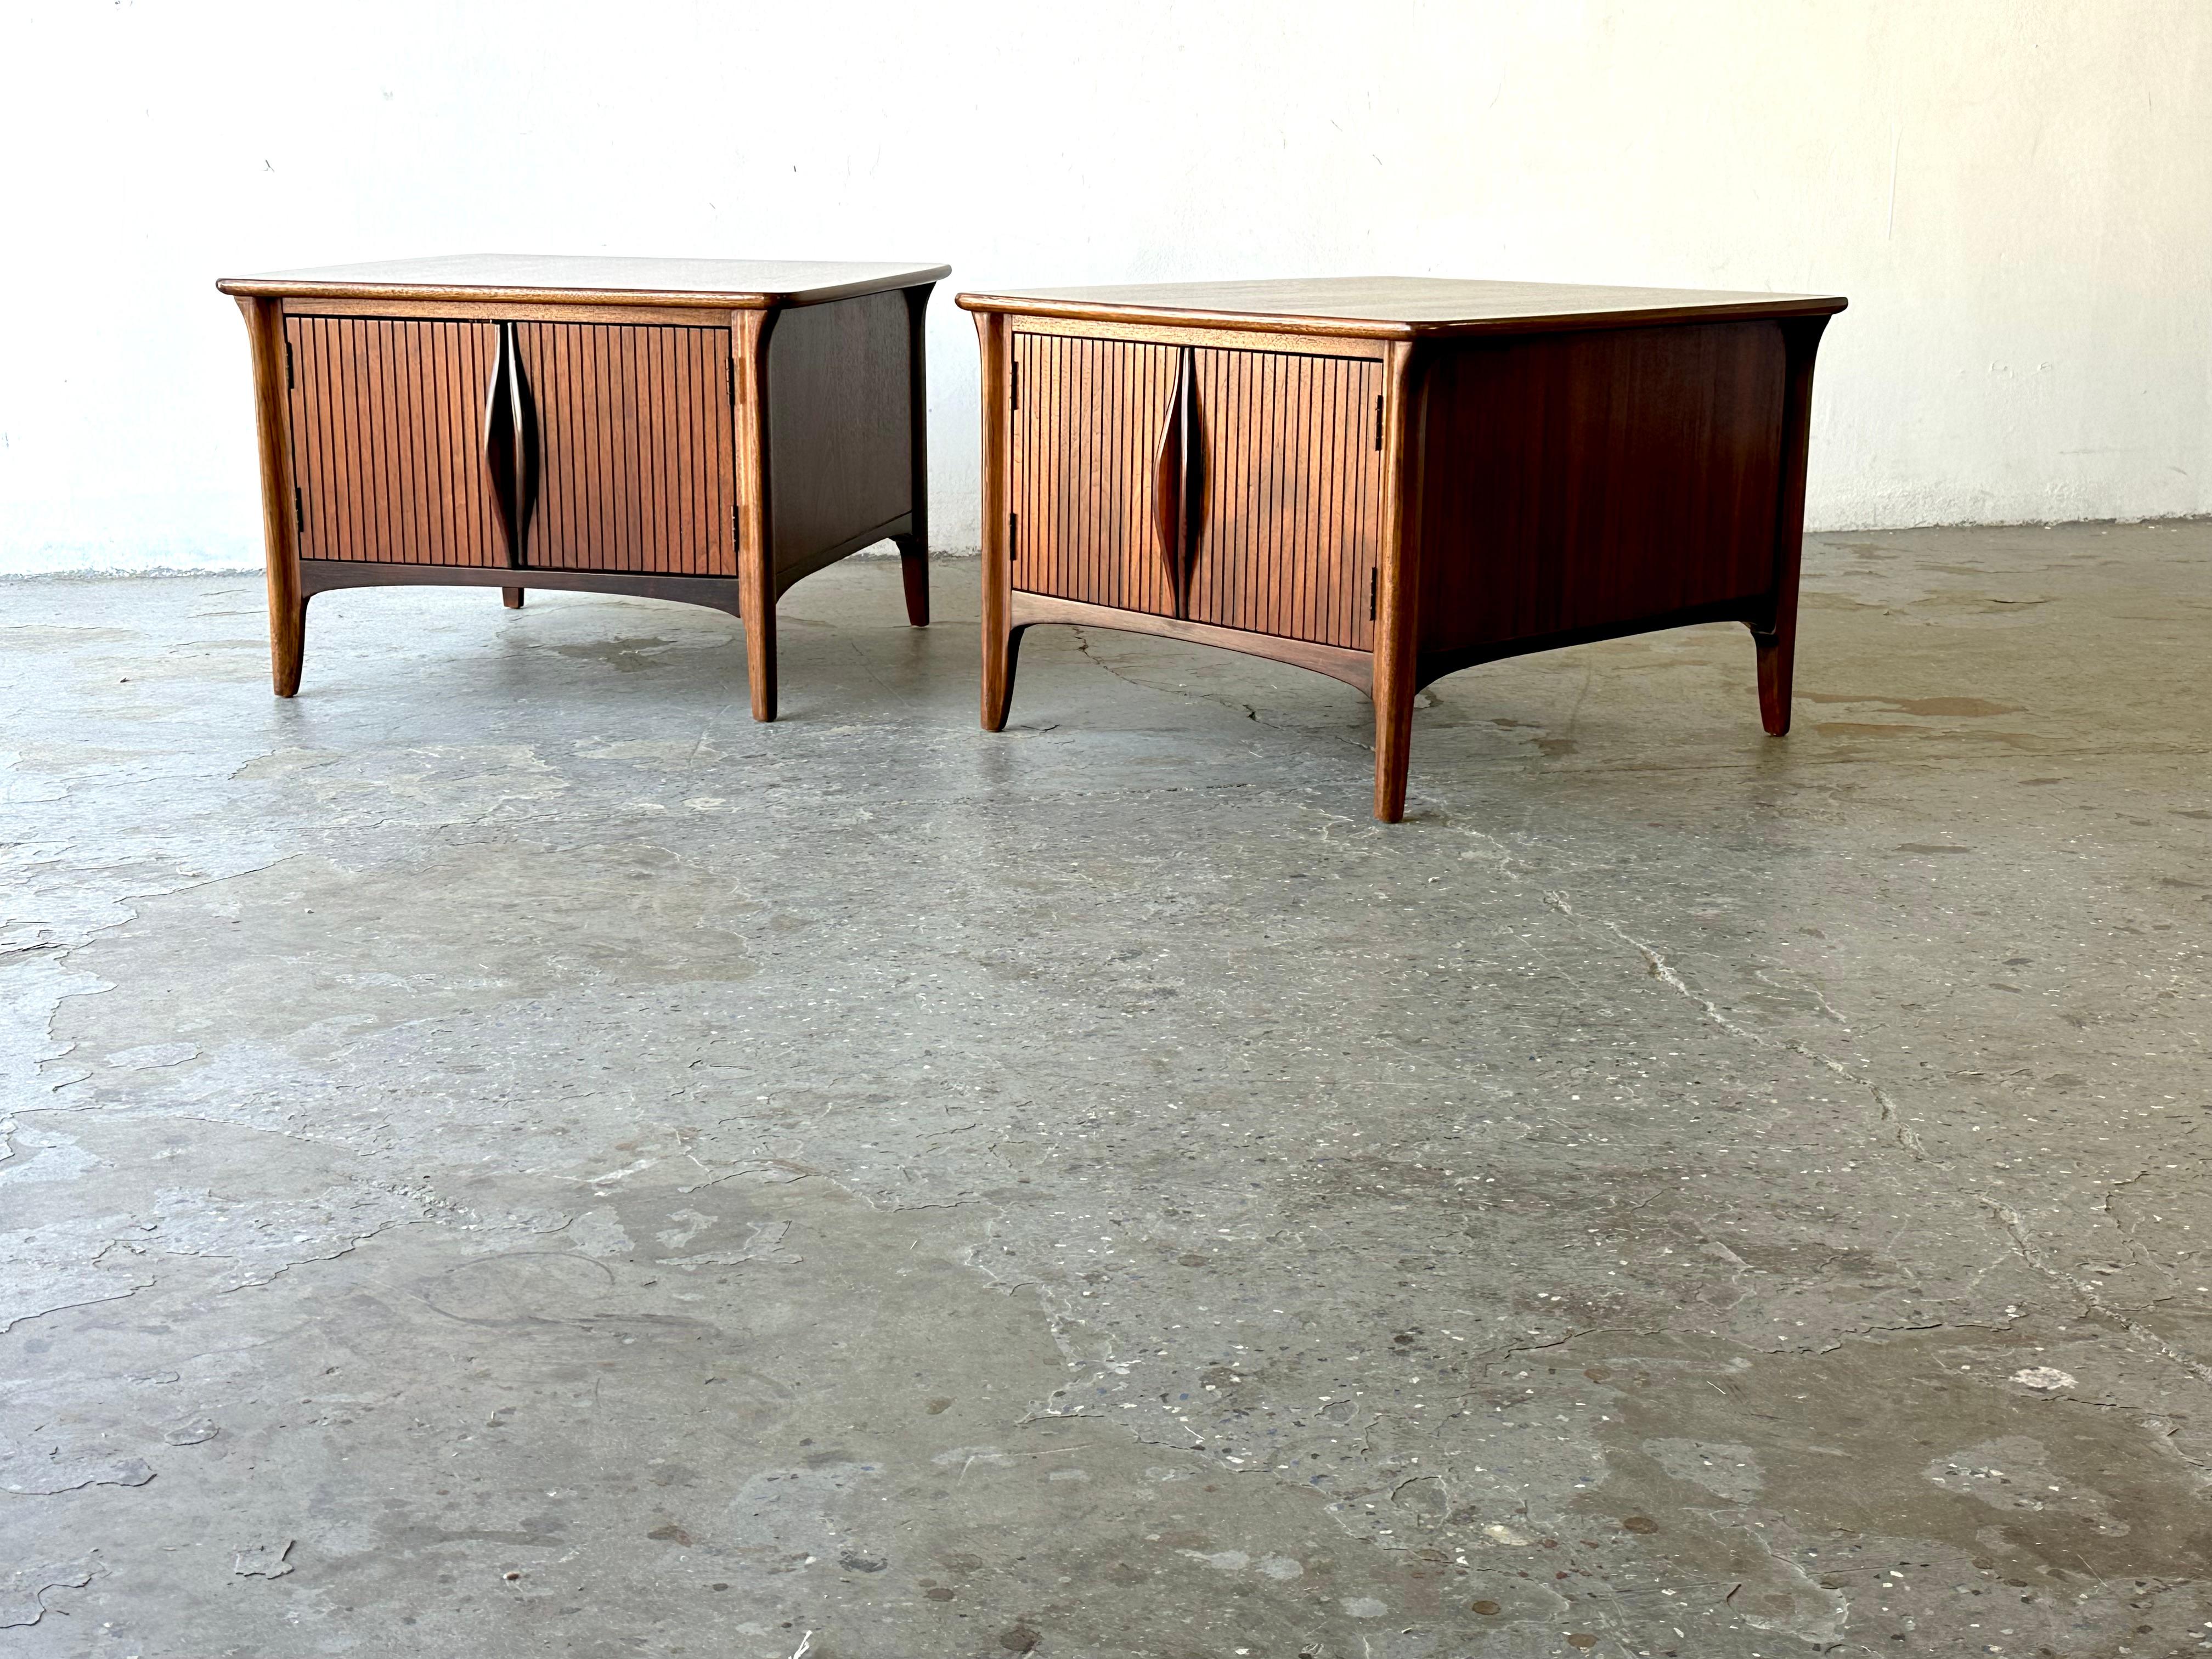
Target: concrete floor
x=506, y=1156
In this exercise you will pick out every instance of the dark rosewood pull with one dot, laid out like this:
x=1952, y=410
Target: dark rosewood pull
x=1167, y=488
x=1193, y=478
x=510, y=444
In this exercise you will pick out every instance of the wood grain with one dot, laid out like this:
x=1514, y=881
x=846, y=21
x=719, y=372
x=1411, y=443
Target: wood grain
x=631, y=438
x=1001, y=638
x=326, y=576
x=1545, y=478
x=636, y=453
x=1354, y=668
x=1288, y=505
x=1394, y=307
x=386, y=436
x=1773, y=624
x=1579, y=479
x=750, y=334
x=840, y=426
x=1398, y=590
x=913, y=542
x=555, y=278
x=1087, y=436
x=288, y=603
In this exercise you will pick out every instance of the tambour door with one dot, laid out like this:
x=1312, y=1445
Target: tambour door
x=634, y=454
x=1089, y=420
x=387, y=439
x=1284, y=510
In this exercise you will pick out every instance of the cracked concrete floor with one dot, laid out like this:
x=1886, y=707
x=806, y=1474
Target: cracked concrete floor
x=504, y=1156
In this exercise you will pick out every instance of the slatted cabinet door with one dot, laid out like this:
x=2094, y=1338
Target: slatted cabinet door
x=387, y=439
x=1087, y=423
x=636, y=452
x=1286, y=509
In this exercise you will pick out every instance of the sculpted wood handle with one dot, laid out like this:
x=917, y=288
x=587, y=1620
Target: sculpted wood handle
x=1167, y=488
x=1177, y=473
x=510, y=444
x=1193, y=478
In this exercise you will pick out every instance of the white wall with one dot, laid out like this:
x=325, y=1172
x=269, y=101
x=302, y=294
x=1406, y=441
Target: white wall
x=2015, y=194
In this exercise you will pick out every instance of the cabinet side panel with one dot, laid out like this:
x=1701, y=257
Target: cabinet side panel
x=1579, y=481
x=635, y=456
x=1289, y=501
x=840, y=423
x=1086, y=430
x=387, y=439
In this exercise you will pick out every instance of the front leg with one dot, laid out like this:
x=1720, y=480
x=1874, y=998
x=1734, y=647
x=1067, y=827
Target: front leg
x=749, y=334
x=914, y=546
x=1777, y=662
x=1002, y=652
x=288, y=605
x=1398, y=588
x=914, y=571
x=1001, y=639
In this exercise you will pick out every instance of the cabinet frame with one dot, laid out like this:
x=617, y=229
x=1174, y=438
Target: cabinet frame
x=818, y=390
x=1615, y=395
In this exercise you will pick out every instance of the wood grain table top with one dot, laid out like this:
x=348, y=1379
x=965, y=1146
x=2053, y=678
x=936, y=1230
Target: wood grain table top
x=555, y=278
x=1396, y=307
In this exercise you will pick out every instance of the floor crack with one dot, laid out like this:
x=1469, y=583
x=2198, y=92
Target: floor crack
x=2090, y=1294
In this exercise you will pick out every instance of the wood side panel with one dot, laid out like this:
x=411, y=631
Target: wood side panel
x=1574, y=481
x=1086, y=433
x=633, y=469
x=1289, y=500
x=385, y=420
x=839, y=422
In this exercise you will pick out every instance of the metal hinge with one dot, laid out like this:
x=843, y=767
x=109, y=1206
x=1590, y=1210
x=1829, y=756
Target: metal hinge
x=298, y=511
x=1370, y=595
x=287, y=365
x=1014, y=538
x=738, y=525
x=1018, y=386
x=1378, y=423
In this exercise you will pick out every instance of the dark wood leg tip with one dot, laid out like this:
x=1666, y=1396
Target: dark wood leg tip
x=914, y=571
x=511, y=598
x=1776, y=655
x=999, y=667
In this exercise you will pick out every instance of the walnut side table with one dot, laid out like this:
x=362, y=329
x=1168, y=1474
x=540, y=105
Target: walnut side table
x=1388, y=479
x=705, y=430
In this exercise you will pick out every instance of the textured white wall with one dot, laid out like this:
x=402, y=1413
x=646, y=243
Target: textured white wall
x=2015, y=194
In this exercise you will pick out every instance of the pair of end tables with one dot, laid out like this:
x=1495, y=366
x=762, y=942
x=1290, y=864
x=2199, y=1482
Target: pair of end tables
x=1382, y=479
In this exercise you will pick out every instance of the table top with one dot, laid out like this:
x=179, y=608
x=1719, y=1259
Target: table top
x=1396, y=307
x=554, y=278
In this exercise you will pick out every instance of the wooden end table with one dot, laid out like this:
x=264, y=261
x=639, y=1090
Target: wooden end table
x=1388, y=479
x=707, y=430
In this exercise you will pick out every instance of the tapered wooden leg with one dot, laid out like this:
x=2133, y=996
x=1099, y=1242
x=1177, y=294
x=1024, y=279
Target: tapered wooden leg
x=760, y=654
x=1002, y=653
x=288, y=606
x=1775, y=633
x=1398, y=589
x=914, y=546
x=1002, y=641
x=1394, y=744
x=1778, y=659
x=511, y=598
x=913, y=570
x=288, y=632
x=749, y=338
